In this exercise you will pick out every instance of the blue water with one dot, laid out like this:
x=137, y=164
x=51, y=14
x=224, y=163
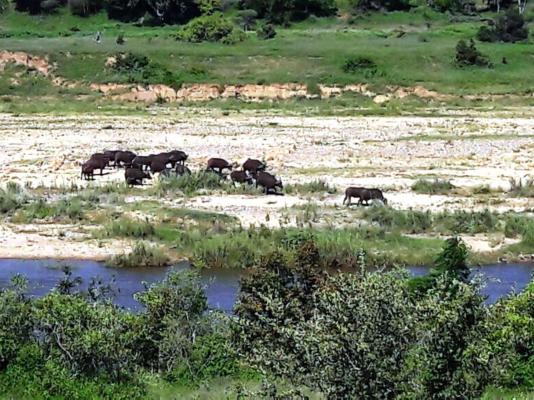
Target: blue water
x=222, y=286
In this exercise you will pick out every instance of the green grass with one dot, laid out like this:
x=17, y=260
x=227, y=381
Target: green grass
x=436, y=186
x=508, y=394
x=312, y=187
x=521, y=187
x=312, y=51
x=142, y=255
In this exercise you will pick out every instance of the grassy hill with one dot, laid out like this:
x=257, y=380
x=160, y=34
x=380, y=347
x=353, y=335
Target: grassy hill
x=408, y=48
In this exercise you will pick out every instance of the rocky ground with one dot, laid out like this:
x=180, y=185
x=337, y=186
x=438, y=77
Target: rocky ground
x=386, y=152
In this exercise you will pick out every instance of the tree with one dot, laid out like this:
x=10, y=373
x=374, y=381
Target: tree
x=468, y=55
x=284, y=11
x=510, y=27
x=451, y=317
x=247, y=19
x=345, y=335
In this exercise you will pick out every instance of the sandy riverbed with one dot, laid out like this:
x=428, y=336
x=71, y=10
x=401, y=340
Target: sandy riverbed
x=385, y=152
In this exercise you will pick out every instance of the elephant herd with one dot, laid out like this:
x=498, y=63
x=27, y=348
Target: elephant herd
x=137, y=168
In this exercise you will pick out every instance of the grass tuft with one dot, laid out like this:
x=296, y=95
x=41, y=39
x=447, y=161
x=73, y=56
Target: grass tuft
x=142, y=255
x=436, y=186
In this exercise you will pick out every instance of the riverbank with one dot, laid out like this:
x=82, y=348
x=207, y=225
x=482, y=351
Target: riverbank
x=57, y=215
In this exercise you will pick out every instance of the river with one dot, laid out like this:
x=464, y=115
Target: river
x=222, y=286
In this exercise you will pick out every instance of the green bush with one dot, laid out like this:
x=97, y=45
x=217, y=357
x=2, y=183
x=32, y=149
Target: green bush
x=284, y=11
x=437, y=186
x=84, y=8
x=455, y=6
x=15, y=320
x=468, y=55
x=509, y=27
x=190, y=183
x=174, y=317
x=266, y=32
x=359, y=6
x=89, y=340
x=521, y=188
x=315, y=186
x=142, y=255
x=31, y=376
x=11, y=198
x=209, y=28
x=361, y=65
x=4, y=6
x=127, y=227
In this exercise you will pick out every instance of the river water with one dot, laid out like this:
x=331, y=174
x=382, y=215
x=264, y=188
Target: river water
x=222, y=286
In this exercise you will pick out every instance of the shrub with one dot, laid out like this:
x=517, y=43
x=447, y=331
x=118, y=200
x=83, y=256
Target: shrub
x=4, y=6
x=174, y=317
x=468, y=55
x=247, y=19
x=437, y=186
x=120, y=39
x=88, y=339
x=130, y=62
x=361, y=65
x=345, y=335
x=142, y=255
x=450, y=318
x=209, y=28
x=127, y=227
x=376, y=5
x=315, y=186
x=189, y=184
x=266, y=32
x=455, y=6
x=84, y=8
x=15, y=320
x=140, y=69
x=284, y=11
x=509, y=27
x=503, y=355
x=11, y=198
x=521, y=188
x=125, y=10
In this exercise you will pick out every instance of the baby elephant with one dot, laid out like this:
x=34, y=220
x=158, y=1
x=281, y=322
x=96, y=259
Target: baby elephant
x=134, y=176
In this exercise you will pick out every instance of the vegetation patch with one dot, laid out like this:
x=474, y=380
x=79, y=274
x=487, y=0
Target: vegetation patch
x=142, y=255
x=436, y=186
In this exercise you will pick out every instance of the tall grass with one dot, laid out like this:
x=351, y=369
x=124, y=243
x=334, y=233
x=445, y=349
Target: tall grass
x=142, y=255
x=70, y=209
x=521, y=188
x=188, y=184
x=12, y=198
x=127, y=227
x=312, y=187
x=436, y=186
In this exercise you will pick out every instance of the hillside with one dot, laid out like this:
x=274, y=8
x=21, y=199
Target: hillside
x=407, y=49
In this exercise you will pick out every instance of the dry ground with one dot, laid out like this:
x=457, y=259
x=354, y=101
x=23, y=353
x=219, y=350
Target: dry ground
x=385, y=152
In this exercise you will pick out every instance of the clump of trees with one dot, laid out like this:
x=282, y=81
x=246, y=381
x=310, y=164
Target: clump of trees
x=509, y=27
x=77, y=344
x=373, y=335
x=285, y=11
x=211, y=28
x=468, y=55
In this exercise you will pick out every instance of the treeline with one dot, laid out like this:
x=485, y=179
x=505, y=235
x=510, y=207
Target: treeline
x=360, y=335
x=156, y=12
